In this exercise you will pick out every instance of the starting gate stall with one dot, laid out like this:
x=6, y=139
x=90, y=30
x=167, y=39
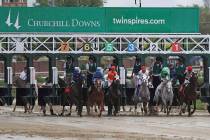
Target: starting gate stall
x=24, y=88
x=105, y=32
x=6, y=97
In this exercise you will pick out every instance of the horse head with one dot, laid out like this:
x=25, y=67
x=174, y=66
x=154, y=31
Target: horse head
x=98, y=84
x=168, y=86
x=193, y=80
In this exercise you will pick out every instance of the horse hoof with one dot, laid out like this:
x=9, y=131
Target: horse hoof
x=44, y=113
x=61, y=114
x=109, y=114
x=69, y=114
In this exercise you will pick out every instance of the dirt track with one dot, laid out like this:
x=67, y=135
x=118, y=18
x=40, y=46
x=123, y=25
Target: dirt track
x=126, y=126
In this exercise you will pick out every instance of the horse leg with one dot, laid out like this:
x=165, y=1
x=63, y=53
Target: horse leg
x=189, y=109
x=70, y=109
x=14, y=108
x=135, y=108
x=110, y=109
x=44, y=109
x=145, y=107
x=62, y=113
x=88, y=108
x=101, y=108
x=115, y=109
x=80, y=106
x=167, y=109
x=194, y=105
x=51, y=109
x=95, y=108
x=130, y=109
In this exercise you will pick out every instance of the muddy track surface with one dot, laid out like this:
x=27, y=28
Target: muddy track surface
x=17, y=125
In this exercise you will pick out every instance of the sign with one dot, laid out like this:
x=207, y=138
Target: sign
x=64, y=47
x=132, y=47
x=153, y=47
x=109, y=47
x=87, y=47
x=99, y=20
x=176, y=47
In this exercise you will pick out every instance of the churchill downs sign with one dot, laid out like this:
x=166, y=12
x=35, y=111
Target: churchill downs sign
x=102, y=20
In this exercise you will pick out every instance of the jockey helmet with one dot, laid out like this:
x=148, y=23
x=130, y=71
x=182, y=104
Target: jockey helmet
x=113, y=68
x=189, y=68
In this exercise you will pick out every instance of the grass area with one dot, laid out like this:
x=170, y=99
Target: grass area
x=200, y=105
x=40, y=79
x=1, y=83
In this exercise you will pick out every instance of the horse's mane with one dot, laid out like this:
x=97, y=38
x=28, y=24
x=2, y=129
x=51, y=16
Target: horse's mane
x=193, y=82
x=115, y=86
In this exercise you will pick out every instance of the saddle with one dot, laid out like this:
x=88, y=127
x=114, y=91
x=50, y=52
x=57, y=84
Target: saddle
x=68, y=89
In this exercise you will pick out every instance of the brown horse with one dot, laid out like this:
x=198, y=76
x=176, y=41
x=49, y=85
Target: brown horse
x=19, y=83
x=73, y=97
x=96, y=97
x=114, y=97
x=188, y=95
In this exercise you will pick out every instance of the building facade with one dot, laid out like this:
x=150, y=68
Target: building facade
x=14, y=3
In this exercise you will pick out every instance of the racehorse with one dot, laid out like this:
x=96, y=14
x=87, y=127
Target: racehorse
x=96, y=97
x=19, y=83
x=165, y=92
x=71, y=95
x=142, y=95
x=188, y=95
x=114, y=97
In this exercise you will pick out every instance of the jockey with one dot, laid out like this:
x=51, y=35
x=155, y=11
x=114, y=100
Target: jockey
x=98, y=75
x=188, y=74
x=165, y=74
x=23, y=74
x=77, y=75
x=69, y=69
x=180, y=70
x=136, y=70
x=156, y=70
x=91, y=69
x=112, y=75
x=142, y=75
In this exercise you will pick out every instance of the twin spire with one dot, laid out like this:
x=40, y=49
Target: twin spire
x=9, y=23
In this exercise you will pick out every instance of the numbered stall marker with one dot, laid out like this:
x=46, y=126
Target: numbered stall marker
x=109, y=47
x=64, y=47
x=87, y=47
x=153, y=47
x=176, y=47
x=132, y=47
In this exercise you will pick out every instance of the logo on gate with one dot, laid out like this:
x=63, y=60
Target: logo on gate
x=9, y=22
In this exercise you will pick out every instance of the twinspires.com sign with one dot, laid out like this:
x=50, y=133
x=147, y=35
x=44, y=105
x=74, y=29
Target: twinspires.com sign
x=100, y=20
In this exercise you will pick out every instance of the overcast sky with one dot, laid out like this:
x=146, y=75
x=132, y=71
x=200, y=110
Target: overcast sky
x=152, y=3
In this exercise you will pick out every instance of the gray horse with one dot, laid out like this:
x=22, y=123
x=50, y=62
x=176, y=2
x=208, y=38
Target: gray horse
x=142, y=95
x=164, y=93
